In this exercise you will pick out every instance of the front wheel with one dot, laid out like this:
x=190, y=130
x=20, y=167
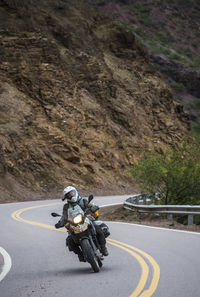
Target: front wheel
x=100, y=263
x=90, y=256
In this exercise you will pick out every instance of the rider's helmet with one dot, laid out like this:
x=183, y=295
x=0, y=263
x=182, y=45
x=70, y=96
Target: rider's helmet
x=70, y=194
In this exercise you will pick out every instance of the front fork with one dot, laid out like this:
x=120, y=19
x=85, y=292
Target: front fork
x=95, y=248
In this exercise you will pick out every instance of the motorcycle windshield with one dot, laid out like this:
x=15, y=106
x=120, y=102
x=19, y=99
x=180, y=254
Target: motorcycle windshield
x=73, y=211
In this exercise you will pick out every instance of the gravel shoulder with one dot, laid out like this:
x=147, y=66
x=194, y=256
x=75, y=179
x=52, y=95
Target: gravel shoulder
x=118, y=213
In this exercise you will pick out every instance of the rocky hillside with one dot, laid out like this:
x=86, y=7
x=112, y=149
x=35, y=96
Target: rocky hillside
x=170, y=32
x=79, y=100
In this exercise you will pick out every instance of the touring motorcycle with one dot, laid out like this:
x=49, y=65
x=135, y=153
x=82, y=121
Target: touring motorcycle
x=81, y=225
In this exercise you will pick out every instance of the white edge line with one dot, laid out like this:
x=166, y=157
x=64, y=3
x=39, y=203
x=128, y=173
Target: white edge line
x=112, y=204
x=150, y=227
x=7, y=263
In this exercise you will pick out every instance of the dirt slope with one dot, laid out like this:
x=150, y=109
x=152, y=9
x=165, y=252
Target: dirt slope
x=78, y=100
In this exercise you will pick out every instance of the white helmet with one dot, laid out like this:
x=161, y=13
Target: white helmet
x=71, y=194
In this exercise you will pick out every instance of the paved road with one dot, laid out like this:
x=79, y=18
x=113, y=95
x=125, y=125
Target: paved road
x=142, y=262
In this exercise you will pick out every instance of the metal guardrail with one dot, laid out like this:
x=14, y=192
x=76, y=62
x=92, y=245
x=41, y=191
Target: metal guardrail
x=135, y=204
x=143, y=198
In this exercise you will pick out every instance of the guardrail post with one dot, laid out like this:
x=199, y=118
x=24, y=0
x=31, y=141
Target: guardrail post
x=144, y=197
x=190, y=219
x=137, y=199
x=170, y=216
x=152, y=197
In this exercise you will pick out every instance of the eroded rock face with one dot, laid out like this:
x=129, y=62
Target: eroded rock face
x=78, y=98
x=179, y=72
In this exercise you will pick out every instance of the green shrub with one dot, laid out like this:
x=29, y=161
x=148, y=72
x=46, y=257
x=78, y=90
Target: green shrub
x=197, y=103
x=197, y=220
x=196, y=135
x=196, y=128
x=174, y=175
x=177, y=87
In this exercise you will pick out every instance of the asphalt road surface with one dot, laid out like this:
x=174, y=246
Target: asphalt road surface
x=143, y=261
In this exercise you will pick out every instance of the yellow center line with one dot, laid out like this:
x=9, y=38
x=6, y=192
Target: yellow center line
x=16, y=216
x=144, y=266
x=156, y=269
x=128, y=248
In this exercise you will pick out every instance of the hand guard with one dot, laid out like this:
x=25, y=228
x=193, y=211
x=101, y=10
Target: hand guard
x=57, y=225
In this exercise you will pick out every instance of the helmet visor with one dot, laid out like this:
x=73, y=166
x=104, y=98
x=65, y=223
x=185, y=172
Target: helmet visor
x=70, y=195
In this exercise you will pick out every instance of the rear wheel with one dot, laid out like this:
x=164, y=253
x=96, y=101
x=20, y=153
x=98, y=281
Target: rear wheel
x=90, y=256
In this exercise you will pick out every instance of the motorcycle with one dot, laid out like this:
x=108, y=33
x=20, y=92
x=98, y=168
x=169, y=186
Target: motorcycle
x=81, y=227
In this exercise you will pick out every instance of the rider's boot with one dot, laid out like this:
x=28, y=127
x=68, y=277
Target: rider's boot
x=81, y=257
x=104, y=250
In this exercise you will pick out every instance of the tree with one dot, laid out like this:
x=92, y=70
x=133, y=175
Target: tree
x=174, y=175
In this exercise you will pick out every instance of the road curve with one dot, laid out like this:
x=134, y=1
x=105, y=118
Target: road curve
x=142, y=262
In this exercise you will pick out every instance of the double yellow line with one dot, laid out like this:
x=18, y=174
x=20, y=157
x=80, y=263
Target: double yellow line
x=145, y=269
x=16, y=216
x=138, y=254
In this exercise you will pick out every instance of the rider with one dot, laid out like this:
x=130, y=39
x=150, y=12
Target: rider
x=72, y=197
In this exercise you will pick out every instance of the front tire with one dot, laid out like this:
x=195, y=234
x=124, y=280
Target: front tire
x=90, y=256
x=100, y=263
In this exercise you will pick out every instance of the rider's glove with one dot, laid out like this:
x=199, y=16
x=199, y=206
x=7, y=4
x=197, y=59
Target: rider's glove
x=85, y=203
x=57, y=225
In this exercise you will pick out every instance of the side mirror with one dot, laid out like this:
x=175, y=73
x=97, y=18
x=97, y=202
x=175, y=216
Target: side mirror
x=54, y=214
x=90, y=198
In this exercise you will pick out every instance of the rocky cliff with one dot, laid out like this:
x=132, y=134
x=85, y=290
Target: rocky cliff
x=79, y=100
x=170, y=32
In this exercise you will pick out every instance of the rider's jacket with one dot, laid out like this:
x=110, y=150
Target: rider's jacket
x=64, y=218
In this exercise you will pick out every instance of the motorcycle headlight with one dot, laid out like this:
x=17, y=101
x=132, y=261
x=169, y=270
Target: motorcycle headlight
x=78, y=219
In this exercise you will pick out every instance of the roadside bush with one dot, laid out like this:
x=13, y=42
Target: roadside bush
x=197, y=103
x=196, y=130
x=177, y=87
x=173, y=175
x=196, y=133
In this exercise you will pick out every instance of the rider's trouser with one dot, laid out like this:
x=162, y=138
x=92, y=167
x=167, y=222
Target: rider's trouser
x=100, y=235
x=72, y=245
